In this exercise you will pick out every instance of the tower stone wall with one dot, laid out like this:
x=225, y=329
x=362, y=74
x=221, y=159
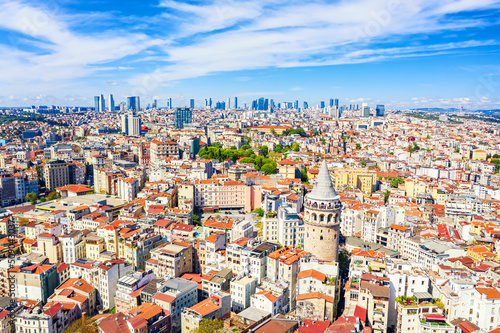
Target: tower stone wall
x=322, y=209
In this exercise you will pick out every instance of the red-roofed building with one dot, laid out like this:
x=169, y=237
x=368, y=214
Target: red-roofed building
x=74, y=190
x=34, y=281
x=79, y=292
x=312, y=326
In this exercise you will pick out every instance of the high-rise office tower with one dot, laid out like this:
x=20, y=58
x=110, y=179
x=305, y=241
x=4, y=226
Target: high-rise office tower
x=261, y=104
x=99, y=102
x=337, y=102
x=133, y=103
x=380, y=110
x=111, y=103
x=322, y=104
x=228, y=104
x=182, y=116
x=365, y=111
x=169, y=103
x=206, y=102
x=191, y=103
x=236, y=102
x=155, y=103
x=296, y=105
x=331, y=102
x=306, y=106
x=210, y=103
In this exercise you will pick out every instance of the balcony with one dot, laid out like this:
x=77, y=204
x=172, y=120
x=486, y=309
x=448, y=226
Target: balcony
x=434, y=323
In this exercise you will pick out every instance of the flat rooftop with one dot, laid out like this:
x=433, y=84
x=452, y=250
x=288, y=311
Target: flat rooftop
x=70, y=203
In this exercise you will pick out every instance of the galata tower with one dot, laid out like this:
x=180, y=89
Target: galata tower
x=322, y=209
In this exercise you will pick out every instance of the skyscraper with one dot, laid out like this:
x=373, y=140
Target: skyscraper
x=133, y=103
x=365, y=111
x=99, y=102
x=322, y=104
x=155, y=103
x=380, y=110
x=337, y=102
x=131, y=124
x=182, y=116
x=191, y=103
x=169, y=103
x=111, y=103
x=306, y=106
x=296, y=105
x=228, y=104
x=236, y=102
x=337, y=113
x=331, y=102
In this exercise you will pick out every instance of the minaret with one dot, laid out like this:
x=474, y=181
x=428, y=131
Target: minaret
x=322, y=209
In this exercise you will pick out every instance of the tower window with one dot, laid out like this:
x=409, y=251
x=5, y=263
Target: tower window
x=320, y=237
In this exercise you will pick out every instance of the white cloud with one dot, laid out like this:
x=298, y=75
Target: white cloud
x=222, y=36
x=295, y=34
x=60, y=54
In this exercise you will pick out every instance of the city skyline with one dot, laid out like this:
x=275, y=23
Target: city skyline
x=399, y=53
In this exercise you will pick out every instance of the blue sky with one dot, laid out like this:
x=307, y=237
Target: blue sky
x=402, y=53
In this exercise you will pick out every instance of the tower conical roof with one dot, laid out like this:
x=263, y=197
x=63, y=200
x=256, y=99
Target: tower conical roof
x=323, y=190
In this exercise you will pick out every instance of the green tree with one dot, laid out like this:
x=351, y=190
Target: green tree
x=273, y=132
x=303, y=176
x=259, y=211
x=344, y=261
x=82, y=325
x=363, y=163
x=387, y=193
x=32, y=198
x=358, y=146
x=196, y=219
x=269, y=168
x=395, y=182
x=53, y=195
x=265, y=150
x=245, y=147
x=217, y=145
x=247, y=160
x=43, y=199
x=295, y=147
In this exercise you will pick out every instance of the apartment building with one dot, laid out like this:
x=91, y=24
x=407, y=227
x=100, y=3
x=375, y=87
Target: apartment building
x=56, y=174
x=35, y=282
x=174, y=295
x=241, y=292
x=102, y=275
x=171, y=260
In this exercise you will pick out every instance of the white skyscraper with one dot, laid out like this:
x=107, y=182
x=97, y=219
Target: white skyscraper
x=365, y=111
x=228, y=104
x=131, y=124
